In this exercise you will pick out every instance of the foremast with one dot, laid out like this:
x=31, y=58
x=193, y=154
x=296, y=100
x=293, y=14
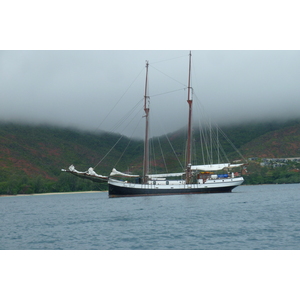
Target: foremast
x=146, y=141
x=189, y=134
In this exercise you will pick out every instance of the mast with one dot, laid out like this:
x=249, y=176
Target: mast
x=189, y=137
x=146, y=142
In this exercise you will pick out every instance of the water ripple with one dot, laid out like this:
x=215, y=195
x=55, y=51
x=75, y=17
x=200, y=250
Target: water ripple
x=254, y=217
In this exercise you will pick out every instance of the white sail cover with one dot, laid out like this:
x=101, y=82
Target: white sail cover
x=90, y=172
x=165, y=175
x=214, y=167
x=114, y=172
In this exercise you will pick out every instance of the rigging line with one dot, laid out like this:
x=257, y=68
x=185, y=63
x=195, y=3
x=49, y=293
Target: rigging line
x=169, y=76
x=202, y=145
x=174, y=152
x=194, y=156
x=224, y=153
x=218, y=145
x=203, y=139
x=130, y=140
x=126, y=117
x=229, y=141
x=210, y=140
x=109, y=151
x=167, y=93
x=214, y=143
x=199, y=105
x=162, y=154
x=209, y=158
x=205, y=136
x=166, y=135
x=119, y=99
x=153, y=156
x=115, y=143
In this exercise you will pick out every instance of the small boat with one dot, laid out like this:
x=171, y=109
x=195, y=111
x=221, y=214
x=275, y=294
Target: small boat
x=193, y=179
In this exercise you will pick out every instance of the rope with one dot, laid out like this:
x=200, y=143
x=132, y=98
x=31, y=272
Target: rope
x=162, y=154
x=174, y=152
x=120, y=137
x=167, y=93
x=119, y=100
x=109, y=151
x=229, y=141
x=168, y=76
x=128, y=143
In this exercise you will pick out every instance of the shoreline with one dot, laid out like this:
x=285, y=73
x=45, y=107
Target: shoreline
x=58, y=193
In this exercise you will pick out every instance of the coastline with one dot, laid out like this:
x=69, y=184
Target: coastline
x=58, y=193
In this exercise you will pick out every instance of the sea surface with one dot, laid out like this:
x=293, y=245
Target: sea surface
x=264, y=217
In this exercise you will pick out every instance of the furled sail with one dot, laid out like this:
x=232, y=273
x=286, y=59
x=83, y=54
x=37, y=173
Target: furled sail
x=165, y=175
x=114, y=172
x=214, y=167
x=89, y=174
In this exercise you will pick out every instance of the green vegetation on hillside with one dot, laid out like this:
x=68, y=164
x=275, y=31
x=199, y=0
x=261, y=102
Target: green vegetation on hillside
x=244, y=135
x=31, y=157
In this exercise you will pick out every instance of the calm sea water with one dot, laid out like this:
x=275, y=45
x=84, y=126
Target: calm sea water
x=251, y=217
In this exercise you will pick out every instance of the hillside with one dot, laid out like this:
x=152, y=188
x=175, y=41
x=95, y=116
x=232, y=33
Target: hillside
x=29, y=154
x=242, y=134
x=31, y=157
x=283, y=142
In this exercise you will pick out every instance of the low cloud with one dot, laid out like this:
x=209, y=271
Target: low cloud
x=95, y=89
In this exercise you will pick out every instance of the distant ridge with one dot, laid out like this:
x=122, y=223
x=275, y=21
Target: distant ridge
x=284, y=142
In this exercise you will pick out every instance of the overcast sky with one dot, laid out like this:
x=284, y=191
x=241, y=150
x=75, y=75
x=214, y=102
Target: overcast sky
x=94, y=89
x=80, y=88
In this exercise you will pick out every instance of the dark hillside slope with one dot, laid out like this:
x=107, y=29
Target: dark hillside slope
x=31, y=152
x=282, y=143
x=244, y=133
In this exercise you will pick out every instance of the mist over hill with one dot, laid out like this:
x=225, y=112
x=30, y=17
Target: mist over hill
x=83, y=88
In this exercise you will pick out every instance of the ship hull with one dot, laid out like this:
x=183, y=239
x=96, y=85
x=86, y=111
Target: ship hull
x=118, y=188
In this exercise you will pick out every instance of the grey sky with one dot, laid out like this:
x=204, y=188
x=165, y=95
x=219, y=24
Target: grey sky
x=79, y=88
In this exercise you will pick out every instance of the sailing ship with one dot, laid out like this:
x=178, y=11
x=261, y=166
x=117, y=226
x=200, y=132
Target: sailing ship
x=194, y=179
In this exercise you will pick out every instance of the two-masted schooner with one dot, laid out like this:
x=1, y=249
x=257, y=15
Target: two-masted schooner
x=195, y=179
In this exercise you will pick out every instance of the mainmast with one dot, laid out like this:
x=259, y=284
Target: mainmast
x=189, y=137
x=146, y=142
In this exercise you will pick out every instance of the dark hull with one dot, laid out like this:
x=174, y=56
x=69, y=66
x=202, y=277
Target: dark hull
x=118, y=191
